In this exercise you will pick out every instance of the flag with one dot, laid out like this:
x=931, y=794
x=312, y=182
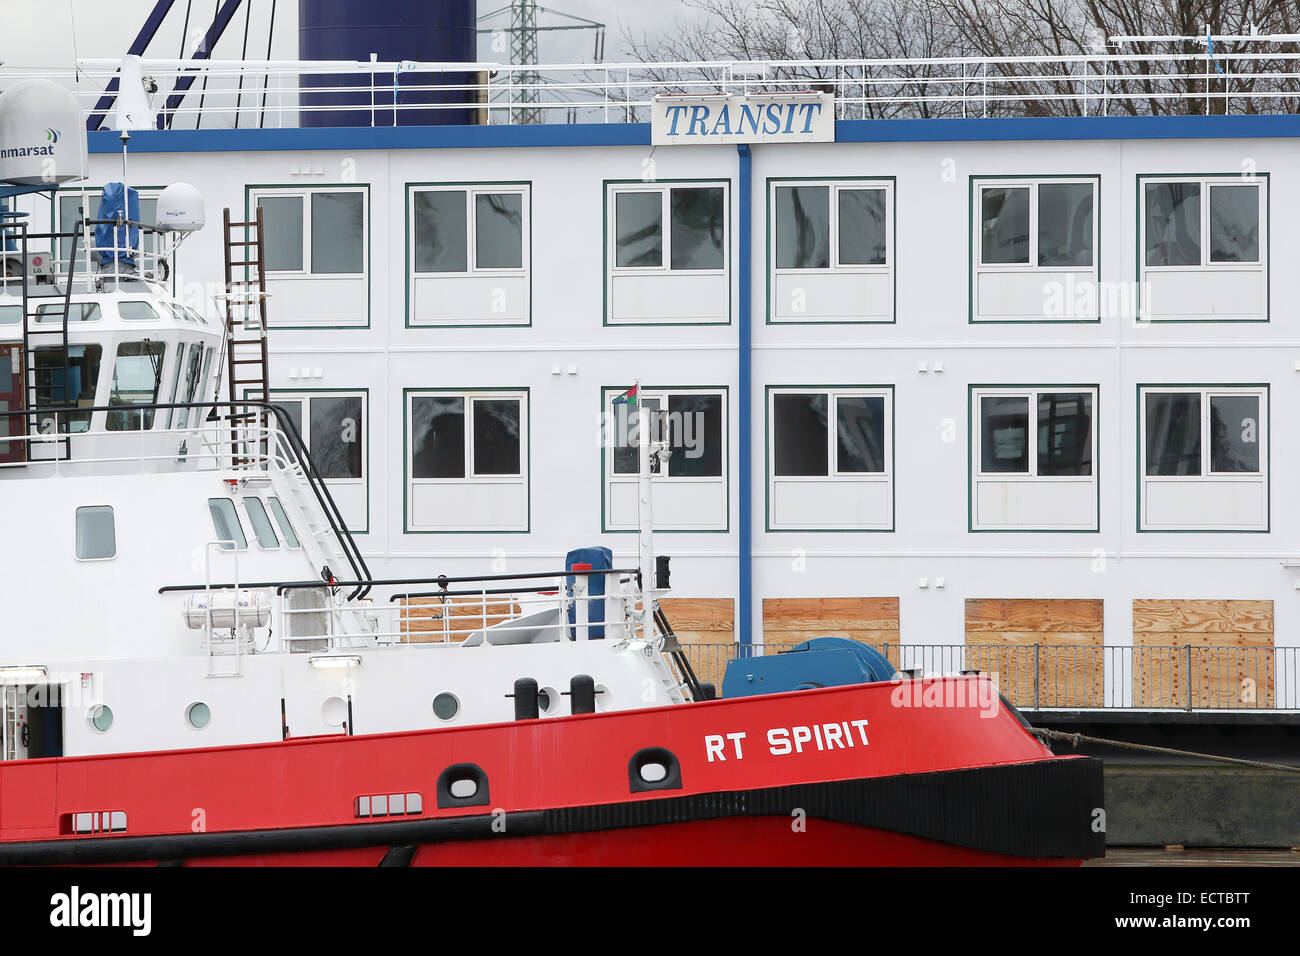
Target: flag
x=628, y=397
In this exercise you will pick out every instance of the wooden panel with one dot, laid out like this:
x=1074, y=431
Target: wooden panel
x=427, y=619
x=1224, y=647
x=1033, y=614
x=794, y=620
x=1216, y=617
x=708, y=624
x=1068, y=667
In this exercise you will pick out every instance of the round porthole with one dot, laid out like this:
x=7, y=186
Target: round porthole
x=197, y=715
x=546, y=699
x=463, y=788
x=101, y=718
x=446, y=706
x=334, y=711
x=653, y=772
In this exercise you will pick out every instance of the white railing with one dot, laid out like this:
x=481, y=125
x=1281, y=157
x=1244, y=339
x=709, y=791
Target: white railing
x=1258, y=75
x=539, y=611
x=145, y=260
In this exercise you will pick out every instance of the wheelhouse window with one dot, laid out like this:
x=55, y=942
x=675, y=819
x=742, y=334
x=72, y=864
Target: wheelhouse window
x=333, y=426
x=831, y=250
x=225, y=521
x=59, y=385
x=1033, y=459
x=690, y=492
x=831, y=459
x=136, y=311
x=261, y=522
x=320, y=234
x=137, y=376
x=1203, y=247
x=467, y=460
x=185, y=391
x=469, y=252
x=1034, y=245
x=1205, y=458
x=667, y=248
x=96, y=533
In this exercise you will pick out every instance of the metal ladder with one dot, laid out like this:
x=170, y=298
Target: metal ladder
x=46, y=386
x=246, y=350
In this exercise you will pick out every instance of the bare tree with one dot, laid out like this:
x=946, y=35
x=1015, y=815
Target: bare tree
x=1044, y=57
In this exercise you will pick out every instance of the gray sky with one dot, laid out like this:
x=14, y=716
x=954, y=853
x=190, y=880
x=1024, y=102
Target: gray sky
x=44, y=33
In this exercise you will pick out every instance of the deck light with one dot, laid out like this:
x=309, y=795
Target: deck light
x=335, y=660
x=22, y=674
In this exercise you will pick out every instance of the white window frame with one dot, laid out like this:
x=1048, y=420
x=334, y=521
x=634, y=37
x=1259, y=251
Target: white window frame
x=471, y=191
x=1032, y=184
x=610, y=479
x=833, y=395
x=278, y=395
x=836, y=187
x=664, y=188
x=1206, y=392
x=1207, y=183
x=305, y=194
x=469, y=396
x=1030, y=392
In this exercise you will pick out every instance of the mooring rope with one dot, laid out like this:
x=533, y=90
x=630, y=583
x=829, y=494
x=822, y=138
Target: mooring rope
x=1077, y=739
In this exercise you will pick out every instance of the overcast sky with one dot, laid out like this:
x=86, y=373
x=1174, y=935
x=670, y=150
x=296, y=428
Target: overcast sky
x=51, y=33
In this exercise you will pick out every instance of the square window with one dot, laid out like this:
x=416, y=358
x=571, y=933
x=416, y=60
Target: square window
x=441, y=236
x=333, y=427
x=467, y=461
x=803, y=227
x=1173, y=224
x=1205, y=462
x=1234, y=223
x=96, y=533
x=1033, y=459
x=830, y=460
x=1005, y=218
x=638, y=218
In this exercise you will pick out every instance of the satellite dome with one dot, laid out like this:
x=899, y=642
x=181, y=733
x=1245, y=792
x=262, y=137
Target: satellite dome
x=180, y=209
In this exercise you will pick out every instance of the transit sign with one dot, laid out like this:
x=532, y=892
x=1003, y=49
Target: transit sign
x=698, y=119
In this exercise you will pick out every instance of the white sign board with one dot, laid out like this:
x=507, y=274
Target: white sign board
x=757, y=118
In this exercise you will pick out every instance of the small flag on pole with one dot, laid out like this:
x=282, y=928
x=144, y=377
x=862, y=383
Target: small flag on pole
x=628, y=397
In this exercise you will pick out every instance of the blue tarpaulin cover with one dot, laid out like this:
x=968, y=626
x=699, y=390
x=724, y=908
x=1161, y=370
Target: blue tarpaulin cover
x=600, y=559
x=118, y=202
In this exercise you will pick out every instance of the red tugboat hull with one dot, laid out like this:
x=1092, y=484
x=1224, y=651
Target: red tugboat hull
x=933, y=772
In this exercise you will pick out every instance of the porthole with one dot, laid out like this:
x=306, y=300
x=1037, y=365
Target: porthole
x=198, y=714
x=446, y=706
x=463, y=788
x=334, y=711
x=101, y=718
x=653, y=772
x=547, y=699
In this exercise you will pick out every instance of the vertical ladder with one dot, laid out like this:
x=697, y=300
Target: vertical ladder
x=49, y=385
x=246, y=351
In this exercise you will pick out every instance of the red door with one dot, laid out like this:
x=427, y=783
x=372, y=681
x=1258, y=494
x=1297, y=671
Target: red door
x=11, y=400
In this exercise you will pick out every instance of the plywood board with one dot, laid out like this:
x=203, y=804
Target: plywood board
x=872, y=620
x=1045, y=652
x=1201, y=653
x=706, y=627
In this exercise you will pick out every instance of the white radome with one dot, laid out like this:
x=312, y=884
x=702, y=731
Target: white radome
x=180, y=209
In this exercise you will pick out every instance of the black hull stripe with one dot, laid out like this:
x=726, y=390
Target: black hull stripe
x=1043, y=809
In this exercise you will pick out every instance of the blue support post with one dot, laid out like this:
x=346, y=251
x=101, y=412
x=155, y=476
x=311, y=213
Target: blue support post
x=745, y=545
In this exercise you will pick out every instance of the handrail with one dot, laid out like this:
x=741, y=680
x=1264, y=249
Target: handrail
x=1238, y=70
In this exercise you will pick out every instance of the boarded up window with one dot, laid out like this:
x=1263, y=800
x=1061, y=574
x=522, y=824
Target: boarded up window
x=708, y=626
x=1224, y=647
x=1059, y=639
x=794, y=620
